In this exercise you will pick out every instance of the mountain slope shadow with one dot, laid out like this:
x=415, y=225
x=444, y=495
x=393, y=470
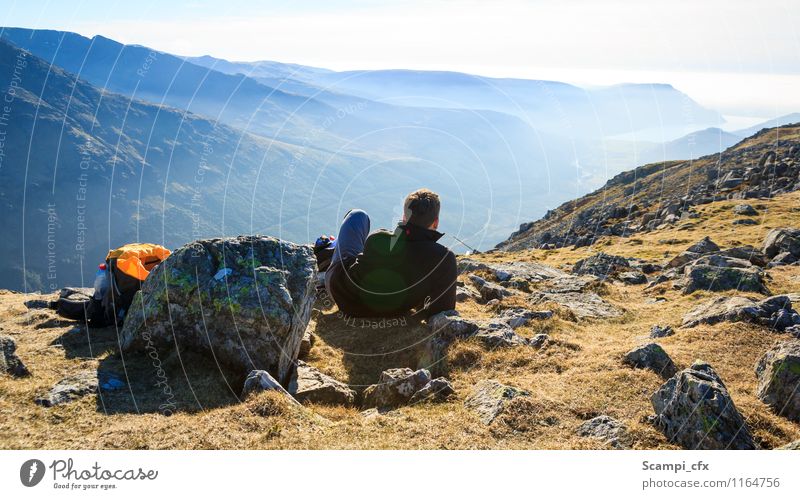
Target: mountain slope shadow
x=149, y=382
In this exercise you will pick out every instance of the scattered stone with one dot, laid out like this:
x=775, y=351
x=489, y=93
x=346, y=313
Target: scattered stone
x=661, y=331
x=70, y=389
x=254, y=316
x=657, y=299
x=488, y=291
x=490, y=397
x=695, y=411
x=448, y=325
x=745, y=210
x=436, y=390
x=601, y=265
x=539, y=340
x=745, y=221
x=501, y=337
x=260, y=380
x=606, y=429
x=775, y=312
x=518, y=317
x=778, y=374
x=783, y=258
x=653, y=357
x=396, y=387
x=9, y=361
x=464, y=293
x=634, y=277
x=693, y=252
x=746, y=253
x=310, y=385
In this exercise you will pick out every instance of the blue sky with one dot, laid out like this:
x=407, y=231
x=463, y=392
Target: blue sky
x=740, y=57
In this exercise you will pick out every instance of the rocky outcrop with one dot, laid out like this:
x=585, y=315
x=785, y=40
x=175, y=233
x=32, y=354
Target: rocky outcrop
x=778, y=373
x=653, y=357
x=584, y=305
x=662, y=195
x=9, y=361
x=722, y=278
x=244, y=300
x=488, y=290
x=608, y=430
x=489, y=399
x=310, y=385
x=70, y=389
x=775, y=312
x=695, y=411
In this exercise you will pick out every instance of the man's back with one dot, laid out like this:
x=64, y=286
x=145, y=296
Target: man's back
x=397, y=271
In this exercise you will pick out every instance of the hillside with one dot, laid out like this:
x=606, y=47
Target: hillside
x=574, y=375
x=667, y=193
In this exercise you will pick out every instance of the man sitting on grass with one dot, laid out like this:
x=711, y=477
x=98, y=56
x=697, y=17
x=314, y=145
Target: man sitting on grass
x=387, y=274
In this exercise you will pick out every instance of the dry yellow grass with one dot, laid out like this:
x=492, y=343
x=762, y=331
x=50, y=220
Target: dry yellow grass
x=578, y=376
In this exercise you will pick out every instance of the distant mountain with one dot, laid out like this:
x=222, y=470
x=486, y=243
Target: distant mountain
x=549, y=106
x=84, y=170
x=691, y=146
x=774, y=122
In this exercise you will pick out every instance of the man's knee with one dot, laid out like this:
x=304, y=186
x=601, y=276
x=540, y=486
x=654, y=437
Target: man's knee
x=357, y=216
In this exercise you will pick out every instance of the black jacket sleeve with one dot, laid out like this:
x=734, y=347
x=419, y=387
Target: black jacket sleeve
x=443, y=287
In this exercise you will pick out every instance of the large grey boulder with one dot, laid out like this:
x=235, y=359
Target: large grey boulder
x=782, y=240
x=245, y=300
x=489, y=399
x=778, y=373
x=775, y=312
x=70, y=389
x=310, y=385
x=9, y=361
x=653, y=357
x=718, y=278
x=695, y=411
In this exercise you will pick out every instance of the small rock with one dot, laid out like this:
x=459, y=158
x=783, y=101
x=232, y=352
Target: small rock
x=70, y=388
x=745, y=221
x=396, y=387
x=9, y=362
x=745, y=210
x=310, y=385
x=489, y=291
x=652, y=357
x=695, y=411
x=260, y=380
x=778, y=373
x=503, y=337
x=539, y=340
x=634, y=277
x=783, y=258
x=464, y=293
x=436, y=390
x=584, y=305
x=661, y=331
x=607, y=429
x=490, y=397
x=518, y=317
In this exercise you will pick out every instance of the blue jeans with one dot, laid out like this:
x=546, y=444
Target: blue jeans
x=349, y=242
